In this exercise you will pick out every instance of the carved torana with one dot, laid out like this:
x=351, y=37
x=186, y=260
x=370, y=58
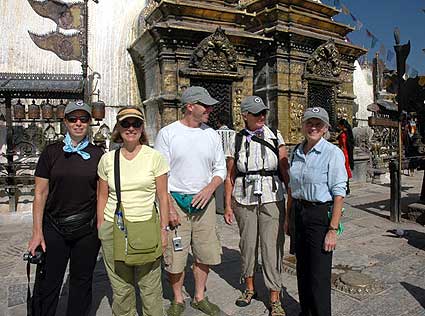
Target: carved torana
x=215, y=53
x=324, y=61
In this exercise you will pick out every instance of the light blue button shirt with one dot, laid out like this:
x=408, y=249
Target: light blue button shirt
x=320, y=174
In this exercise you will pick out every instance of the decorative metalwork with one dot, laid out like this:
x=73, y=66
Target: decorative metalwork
x=19, y=110
x=42, y=85
x=150, y=6
x=238, y=122
x=65, y=15
x=357, y=284
x=98, y=110
x=215, y=53
x=342, y=113
x=33, y=111
x=324, y=62
x=60, y=110
x=50, y=133
x=220, y=90
x=46, y=110
x=323, y=96
x=66, y=47
x=295, y=122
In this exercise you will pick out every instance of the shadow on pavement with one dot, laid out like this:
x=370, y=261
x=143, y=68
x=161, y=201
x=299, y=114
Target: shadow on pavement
x=417, y=292
x=414, y=238
x=383, y=206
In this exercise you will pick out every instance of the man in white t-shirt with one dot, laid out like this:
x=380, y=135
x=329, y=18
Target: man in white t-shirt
x=197, y=168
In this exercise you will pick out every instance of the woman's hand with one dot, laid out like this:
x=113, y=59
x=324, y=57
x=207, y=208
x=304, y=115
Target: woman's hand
x=36, y=240
x=228, y=215
x=100, y=221
x=330, y=241
x=164, y=239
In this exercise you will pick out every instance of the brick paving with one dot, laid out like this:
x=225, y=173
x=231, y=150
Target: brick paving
x=398, y=264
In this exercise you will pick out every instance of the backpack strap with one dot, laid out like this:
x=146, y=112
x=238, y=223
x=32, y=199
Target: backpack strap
x=238, y=145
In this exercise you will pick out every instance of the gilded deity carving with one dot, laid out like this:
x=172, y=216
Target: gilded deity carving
x=150, y=6
x=295, y=122
x=324, y=61
x=215, y=53
x=238, y=123
x=342, y=113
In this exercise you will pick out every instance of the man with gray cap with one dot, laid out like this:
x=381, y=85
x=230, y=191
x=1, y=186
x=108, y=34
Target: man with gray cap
x=197, y=168
x=256, y=162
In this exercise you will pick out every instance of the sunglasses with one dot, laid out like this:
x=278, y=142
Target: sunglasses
x=263, y=112
x=135, y=123
x=74, y=119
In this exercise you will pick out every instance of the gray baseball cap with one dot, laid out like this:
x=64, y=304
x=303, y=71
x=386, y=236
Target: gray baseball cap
x=316, y=112
x=253, y=104
x=197, y=95
x=77, y=105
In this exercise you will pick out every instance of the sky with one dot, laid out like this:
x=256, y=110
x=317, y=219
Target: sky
x=380, y=18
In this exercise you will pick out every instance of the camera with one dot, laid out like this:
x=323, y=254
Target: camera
x=37, y=258
x=177, y=243
x=257, y=183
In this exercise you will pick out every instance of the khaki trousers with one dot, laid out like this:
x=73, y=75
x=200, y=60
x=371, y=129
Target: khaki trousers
x=123, y=279
x=263, y=225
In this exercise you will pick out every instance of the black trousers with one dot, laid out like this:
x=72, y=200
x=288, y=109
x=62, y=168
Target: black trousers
x=313, y=263
x=82, y=254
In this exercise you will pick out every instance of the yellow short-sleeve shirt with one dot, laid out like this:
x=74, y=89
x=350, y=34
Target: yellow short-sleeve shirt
x=138, y=185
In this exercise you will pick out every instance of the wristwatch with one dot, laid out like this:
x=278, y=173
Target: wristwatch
x=332, y=228
x=166, y=228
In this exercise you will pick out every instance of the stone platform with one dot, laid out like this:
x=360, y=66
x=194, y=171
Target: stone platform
x=385, y=271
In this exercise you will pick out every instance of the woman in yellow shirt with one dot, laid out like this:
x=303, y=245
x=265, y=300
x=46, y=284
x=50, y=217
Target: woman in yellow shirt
x=143, y=175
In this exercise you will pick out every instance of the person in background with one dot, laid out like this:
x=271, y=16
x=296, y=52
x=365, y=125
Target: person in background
x=143, y=176
x=64, y=216
x=346, y=143
x=197, y=163
x=226, y=134
x=317, y=188
x=256, y=160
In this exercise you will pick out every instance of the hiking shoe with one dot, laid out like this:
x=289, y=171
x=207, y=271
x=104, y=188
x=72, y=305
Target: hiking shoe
x=245, y=298
x=206, y=307
x=276, y=309
x=175, y=309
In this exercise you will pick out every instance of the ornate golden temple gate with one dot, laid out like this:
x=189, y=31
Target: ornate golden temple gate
x=289, y=52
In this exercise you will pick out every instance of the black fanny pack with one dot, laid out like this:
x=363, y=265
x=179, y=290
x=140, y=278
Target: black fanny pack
x=74, y=226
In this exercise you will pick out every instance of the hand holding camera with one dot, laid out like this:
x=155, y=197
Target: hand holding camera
x=37, y=258
x=177, y=241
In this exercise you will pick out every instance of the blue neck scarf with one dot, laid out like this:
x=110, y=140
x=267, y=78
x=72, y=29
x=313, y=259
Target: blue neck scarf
x=258, y=132
x=69, y=147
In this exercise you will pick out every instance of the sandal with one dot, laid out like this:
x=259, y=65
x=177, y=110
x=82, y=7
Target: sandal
x=206, y=307
x=175, y=309
x=276, y=309
x=245, y=298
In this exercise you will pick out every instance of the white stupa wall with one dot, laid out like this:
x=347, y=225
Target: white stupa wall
x=363, y=90
x=110, y=34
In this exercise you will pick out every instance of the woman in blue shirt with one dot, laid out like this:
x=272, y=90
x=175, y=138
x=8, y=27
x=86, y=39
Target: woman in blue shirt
x=317, y=185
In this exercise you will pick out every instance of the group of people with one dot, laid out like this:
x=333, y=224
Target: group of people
x=86, y=199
